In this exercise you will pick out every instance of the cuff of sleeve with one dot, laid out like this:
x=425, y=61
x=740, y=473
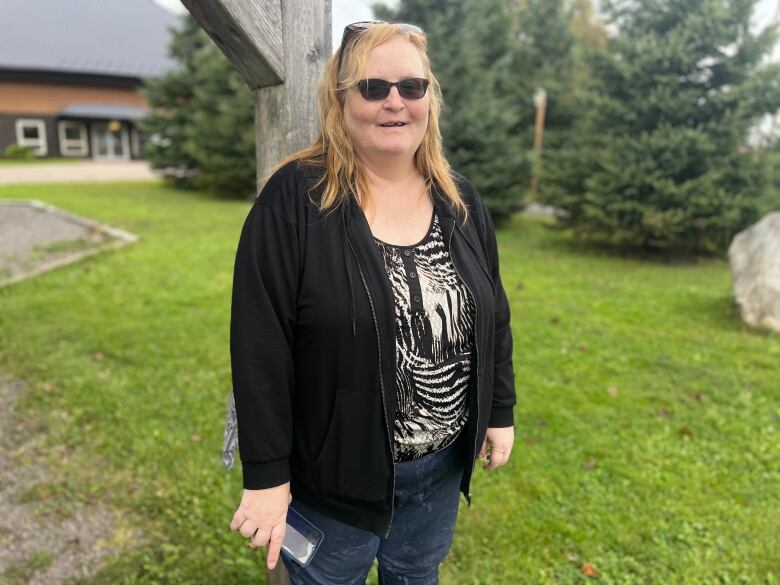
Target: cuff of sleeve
x=501, y=417
x=259, y=476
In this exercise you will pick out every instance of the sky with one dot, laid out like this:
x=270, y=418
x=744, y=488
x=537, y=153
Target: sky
x=346, y=11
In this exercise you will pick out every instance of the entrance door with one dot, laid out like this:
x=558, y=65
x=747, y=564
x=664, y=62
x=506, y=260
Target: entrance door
x=110, y=141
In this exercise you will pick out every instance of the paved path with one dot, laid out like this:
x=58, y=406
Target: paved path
x=76, y=172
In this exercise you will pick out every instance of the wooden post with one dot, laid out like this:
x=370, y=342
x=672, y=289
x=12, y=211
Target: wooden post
x=280, y=48
x=540, y=101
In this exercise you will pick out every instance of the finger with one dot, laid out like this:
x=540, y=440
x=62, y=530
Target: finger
x=252, y=544
x=275, y=544
x=497, y=458
x=260, y=537
x=238, y=519
x=483, y=451
x=493, y=459
x=248, y=528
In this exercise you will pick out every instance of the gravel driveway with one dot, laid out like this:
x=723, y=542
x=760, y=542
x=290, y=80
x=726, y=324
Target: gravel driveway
x=36, y=237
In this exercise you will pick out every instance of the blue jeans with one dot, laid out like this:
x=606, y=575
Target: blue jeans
x=427, y=493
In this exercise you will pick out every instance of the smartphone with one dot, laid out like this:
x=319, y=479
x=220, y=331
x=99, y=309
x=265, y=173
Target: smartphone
x=301, y=538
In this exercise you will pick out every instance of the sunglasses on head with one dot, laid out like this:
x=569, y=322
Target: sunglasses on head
x=378, y=89
x=356, y=27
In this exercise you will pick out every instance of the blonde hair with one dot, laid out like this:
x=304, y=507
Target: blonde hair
x=333, y=150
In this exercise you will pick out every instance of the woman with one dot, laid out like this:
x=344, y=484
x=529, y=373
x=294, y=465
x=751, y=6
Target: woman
x=370, y=342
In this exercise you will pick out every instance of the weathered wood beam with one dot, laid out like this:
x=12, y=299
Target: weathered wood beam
x=248, y=32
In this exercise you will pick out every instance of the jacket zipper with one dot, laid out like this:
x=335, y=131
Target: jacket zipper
x=382, y=387
x=476, y=345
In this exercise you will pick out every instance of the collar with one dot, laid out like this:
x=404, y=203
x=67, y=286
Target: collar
x=356, y=229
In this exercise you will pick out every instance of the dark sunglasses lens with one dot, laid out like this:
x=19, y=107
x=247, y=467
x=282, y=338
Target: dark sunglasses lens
x=374, y=89
x=412, y=89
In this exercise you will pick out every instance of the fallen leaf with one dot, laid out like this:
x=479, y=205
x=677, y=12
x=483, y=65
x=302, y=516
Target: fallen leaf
x=686, y=431
x=195, y=438
x=589, y=570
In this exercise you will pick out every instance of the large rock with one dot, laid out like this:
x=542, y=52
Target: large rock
x=754, y=255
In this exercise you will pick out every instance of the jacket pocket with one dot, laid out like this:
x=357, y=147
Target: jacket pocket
x=351, y=461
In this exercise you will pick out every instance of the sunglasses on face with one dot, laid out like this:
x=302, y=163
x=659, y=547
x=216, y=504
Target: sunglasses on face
x=356, y=27
x=411, y=88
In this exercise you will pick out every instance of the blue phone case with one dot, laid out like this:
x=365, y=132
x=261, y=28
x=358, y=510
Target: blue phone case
x=301, y=538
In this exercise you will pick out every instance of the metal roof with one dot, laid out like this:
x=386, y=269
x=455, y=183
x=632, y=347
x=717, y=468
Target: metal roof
x=103, y=111
x=127, y=38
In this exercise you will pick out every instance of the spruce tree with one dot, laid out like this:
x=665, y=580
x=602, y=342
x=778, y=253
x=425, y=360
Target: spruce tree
x=659, y=158
x=170, y=99
x=222, y=135
x=202, y=120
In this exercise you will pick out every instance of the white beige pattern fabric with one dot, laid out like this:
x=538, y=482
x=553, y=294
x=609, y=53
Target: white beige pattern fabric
x=434, y=341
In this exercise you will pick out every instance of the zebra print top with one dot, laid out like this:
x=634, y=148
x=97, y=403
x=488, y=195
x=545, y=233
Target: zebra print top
x=434, y=326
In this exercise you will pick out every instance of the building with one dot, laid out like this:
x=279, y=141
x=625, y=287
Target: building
x=70, y=73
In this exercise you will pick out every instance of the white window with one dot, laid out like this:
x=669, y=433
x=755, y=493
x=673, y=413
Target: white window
x=73, y=138
x=32, y=133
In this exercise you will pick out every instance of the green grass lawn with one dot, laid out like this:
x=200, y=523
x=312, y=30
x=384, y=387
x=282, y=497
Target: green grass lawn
x=647, y=424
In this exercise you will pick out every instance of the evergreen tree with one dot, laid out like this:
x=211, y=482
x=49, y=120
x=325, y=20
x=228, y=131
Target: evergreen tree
x=222, y=135
x=170, y=99
x=659, y=157
x=202, y=119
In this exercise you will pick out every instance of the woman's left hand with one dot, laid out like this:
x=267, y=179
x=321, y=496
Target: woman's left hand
x=501, y=440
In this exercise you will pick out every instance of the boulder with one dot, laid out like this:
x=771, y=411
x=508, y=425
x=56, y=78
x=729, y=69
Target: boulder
x=754, y=255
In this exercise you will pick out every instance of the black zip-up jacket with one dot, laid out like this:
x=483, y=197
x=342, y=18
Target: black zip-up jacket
x=312, y=343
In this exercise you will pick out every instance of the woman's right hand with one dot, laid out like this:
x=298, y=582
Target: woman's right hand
x=262, y=516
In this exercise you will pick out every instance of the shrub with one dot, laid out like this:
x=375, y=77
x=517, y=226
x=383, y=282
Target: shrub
x=16, y=152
